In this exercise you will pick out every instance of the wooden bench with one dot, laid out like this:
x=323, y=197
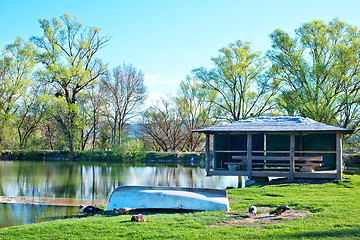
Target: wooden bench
x=233, y=165
x=309, y=163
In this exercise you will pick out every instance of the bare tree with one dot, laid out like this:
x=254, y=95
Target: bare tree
x=91, y=107
x=125, y=93
x=164, y=125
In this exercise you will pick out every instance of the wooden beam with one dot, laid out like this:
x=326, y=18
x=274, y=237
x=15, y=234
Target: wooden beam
x=320, y=151
x=270, y=174
x=292, y=156
x=249, y=158
x=235, y=151
x=280, y=158
x=228, y=151
x=207, y=153
x=325, y=175
x=339, y=160
x=275, y=164
x=273, y=174
x=227, y=173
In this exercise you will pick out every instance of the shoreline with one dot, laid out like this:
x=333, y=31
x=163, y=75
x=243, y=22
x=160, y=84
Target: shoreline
x=50, y=201
x=104, y=156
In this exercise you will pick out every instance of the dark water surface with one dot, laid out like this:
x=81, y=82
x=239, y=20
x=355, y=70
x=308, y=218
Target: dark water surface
x=86, y=180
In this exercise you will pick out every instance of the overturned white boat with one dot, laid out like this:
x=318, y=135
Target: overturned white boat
x=140, y=197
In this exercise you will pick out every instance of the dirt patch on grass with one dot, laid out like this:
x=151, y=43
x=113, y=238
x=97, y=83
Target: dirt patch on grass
x=235, y=200
x=261, y=219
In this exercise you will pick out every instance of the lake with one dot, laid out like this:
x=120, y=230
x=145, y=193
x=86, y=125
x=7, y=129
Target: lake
x=63, y=185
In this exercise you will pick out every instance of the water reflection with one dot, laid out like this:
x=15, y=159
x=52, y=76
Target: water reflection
x=97, y=180
x=18, y=214
x=81, y=181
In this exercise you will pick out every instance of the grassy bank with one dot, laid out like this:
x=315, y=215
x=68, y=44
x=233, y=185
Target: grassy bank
x=110, y=156
x=334, y=207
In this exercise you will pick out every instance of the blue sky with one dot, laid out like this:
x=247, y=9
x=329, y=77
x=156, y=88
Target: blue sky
x=167, y=39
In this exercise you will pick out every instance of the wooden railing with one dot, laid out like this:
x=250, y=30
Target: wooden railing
x=269, y=161
x=307, y=163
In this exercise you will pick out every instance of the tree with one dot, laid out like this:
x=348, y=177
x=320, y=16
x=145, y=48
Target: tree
x=50, y=132
x=194, y=105
x=319, y=69
x=125, y=92
x=31, y=111
x=164, y=125
x=68, y=57
x=91, y=110
x=16, y=64
x=241, y=83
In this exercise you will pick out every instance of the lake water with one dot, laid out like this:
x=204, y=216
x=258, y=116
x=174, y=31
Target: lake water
x=86, y=182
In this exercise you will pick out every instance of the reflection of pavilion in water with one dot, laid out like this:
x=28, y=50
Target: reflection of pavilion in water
x=177, y=177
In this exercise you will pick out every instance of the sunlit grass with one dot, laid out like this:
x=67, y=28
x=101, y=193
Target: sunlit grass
x=335, y=215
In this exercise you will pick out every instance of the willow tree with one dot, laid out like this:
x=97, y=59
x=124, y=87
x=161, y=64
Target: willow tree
x=68, y=55
x=320, y=72
x=240, y=79
x=16, y=65
x=195, y=106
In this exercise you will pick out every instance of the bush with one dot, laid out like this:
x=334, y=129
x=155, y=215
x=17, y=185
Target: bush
x=132, y=151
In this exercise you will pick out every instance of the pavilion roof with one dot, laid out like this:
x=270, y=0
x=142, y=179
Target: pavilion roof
x=274, y=125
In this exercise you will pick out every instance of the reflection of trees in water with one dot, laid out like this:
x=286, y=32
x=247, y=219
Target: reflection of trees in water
x=40, y=179
x=16, y=214
x=172, y=177
x=68, y=183
x=96, y=180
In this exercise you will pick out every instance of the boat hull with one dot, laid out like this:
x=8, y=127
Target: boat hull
x=140, y=197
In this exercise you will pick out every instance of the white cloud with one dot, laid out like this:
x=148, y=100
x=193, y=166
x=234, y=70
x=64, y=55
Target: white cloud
x=160, y=86
x=153, y=98
x=162, y=83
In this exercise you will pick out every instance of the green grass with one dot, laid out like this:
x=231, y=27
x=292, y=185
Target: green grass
x=335, y=214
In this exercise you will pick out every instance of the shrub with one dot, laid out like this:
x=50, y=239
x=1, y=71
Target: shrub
x=132, y=151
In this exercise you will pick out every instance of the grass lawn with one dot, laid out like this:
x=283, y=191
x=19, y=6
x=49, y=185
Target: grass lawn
x=334, y=207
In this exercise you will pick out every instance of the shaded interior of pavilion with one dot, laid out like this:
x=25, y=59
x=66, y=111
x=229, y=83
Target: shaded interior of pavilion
x=300, y=148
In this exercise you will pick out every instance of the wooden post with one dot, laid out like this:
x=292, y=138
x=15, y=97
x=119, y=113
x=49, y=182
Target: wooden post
x=301, y=148
x=265, y=144
x=248, y=156
x=292, y=156
x=339, y=160
x=207, y=153
x=265, y=149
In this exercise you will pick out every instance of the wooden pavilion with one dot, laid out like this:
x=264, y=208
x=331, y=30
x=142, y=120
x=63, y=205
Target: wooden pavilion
x=292, y=147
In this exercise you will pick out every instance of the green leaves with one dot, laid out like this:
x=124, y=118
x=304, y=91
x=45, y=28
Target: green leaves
x=68, y=53
x=16, y=65
x=319, y=71
x=239, y=78
x=195, y=105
